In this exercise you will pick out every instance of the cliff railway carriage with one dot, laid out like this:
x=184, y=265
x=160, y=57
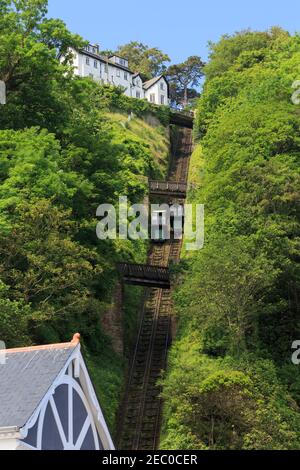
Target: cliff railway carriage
x=177, y=219
x=167, y=224
x=160, y=225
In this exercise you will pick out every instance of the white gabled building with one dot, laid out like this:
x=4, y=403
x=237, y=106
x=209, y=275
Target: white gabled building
x=48, y=402
x=138, y=90
x=157, y=90
x=115, y=71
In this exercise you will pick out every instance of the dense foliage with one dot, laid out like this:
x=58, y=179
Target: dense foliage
x=231, y=383
x=115, y=99
x=184, y=79
x=62, y=153
x=148, y=61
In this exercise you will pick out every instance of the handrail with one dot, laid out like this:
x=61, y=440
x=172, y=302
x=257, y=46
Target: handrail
x=168, y=185
x=144, y=270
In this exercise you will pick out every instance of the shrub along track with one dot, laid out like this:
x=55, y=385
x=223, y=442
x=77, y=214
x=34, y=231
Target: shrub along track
x=140, y=416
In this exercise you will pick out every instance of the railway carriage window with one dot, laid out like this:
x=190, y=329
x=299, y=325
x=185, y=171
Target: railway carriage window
x=160, y=225
x=177, y=221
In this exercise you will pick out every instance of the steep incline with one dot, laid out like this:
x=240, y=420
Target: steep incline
x=139, y=426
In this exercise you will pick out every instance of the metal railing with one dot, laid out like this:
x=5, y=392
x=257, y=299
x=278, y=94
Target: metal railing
x=167, y=186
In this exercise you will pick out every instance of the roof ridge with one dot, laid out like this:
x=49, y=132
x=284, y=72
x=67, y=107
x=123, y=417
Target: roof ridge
x=72, y=344
x=156, y=77
x=153, y=80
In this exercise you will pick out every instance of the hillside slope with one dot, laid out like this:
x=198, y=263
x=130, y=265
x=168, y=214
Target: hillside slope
x=231, y=383
x=56, y=276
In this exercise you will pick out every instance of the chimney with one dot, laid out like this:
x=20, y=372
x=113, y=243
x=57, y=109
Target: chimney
x=76, y=339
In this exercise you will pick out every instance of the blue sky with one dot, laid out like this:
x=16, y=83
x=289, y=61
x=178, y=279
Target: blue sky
x=179, y=27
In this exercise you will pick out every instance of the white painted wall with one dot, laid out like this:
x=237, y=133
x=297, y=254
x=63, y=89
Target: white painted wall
x=119, y=60
x=138, y=90
x=119, y=77
x=85, y=66
x=13, y=444
x=110, y=74
x=102, y=71
x=158, y=93
x=9, y=444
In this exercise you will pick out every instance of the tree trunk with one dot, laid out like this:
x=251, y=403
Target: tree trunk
x=185, y=98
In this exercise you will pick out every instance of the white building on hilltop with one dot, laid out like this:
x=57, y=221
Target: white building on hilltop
x=115, y=71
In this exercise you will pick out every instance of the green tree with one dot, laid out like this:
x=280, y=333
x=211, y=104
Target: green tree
x=149, y=61
x=225, y=52
x=63, y=151
x=14, y=320
x=238, y=298
x=184, y=78
x=35, y=80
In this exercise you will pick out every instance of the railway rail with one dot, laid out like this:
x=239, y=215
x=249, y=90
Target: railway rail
x=140, y=419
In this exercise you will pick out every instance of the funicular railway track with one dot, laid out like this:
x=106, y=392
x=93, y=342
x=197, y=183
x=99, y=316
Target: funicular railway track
x=140, y=420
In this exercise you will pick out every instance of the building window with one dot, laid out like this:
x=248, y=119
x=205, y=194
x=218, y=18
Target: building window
x=118, y=73
x=162, y=99
x=152, y=98
x=125, y=76
x=106, y=68
x=112, y=79
x=95, y=64
x=138, y=94
x=91, y=75
x=162, y=86
x=87, y=61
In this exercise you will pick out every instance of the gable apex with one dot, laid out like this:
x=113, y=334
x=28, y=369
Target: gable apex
x=42, y=390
